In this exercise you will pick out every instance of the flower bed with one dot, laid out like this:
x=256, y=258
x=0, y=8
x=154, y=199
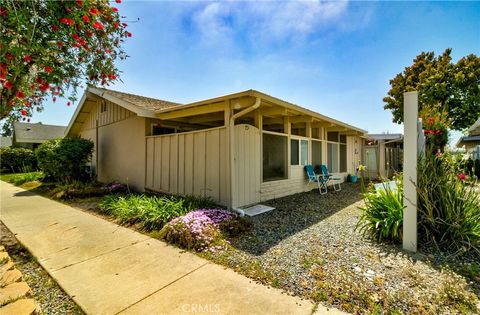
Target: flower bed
x=202, y=229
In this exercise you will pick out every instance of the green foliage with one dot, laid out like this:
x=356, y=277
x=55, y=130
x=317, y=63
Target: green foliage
x=435, y=126
x=453, y=86
x=49, y=47
x=65, y=159
x=449, y=208
x=151, y=212
x=382, y=215
x=21, y=178
x=17, y=159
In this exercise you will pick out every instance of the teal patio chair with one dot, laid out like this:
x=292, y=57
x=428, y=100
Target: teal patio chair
x=314, y=178
x=328, y=177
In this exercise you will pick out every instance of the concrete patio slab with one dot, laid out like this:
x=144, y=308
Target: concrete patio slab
x=109, y=269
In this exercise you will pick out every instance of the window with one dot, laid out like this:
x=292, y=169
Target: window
x=343, y=153
x=332, y=136
x=343, y=158
x=158, y=130
x=298, y=152
x=332, y=157
x=274, y=157
x=103, y=107
x=316, y=154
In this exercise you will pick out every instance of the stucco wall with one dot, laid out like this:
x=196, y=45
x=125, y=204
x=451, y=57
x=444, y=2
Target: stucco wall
x=121, y=151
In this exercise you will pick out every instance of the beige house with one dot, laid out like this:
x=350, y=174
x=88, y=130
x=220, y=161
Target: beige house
x=471, y=142
x=239, y=149
x=383, y=154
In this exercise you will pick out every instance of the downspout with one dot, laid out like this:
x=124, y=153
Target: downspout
x=232, y=157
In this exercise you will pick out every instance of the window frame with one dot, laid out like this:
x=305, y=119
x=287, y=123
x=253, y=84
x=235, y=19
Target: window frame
x=287, y=157
x=300, y=139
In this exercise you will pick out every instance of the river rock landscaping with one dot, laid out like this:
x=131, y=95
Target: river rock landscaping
x=309, y=247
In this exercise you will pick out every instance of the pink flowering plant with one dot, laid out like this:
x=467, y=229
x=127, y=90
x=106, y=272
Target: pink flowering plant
x=201, y=230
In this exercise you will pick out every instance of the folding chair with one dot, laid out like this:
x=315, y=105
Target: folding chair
x=314, y=178
x=328, y=177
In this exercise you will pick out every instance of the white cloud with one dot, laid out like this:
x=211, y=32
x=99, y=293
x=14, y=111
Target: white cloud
x=266, y=20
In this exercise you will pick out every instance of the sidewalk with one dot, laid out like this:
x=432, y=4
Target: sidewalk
x=109, y=269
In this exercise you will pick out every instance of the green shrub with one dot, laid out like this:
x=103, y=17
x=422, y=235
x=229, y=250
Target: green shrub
x=17, y=159
x=151, y=212
x=382, y=215
x=65, y=159
x=449, y=208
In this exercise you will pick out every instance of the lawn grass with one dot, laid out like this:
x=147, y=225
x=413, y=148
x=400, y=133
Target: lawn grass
x=21, y=178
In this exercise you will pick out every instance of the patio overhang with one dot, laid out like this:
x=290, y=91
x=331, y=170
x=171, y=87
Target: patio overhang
x=273, y=111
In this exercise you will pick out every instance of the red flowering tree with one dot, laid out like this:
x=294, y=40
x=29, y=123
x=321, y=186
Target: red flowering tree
x=48, y=48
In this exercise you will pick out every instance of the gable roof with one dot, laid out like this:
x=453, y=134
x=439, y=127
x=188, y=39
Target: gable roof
x=154, y=108
x=141, y=102
x=36, y=133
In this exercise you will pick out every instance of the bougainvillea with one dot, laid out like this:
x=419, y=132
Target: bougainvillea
x=199, y=230
x=49, y=48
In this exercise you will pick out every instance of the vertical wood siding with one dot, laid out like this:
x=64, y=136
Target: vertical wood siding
x=193, y=163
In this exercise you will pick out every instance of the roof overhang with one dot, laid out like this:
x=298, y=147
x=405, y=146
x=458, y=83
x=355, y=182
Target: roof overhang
x=87, y=101
x=475, y=128
x=217, y=104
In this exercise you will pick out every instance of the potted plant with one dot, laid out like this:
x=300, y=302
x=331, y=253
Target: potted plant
x=352, y=178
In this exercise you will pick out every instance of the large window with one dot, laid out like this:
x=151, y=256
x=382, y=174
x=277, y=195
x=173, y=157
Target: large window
x=332, y=157
x=343, y=153
x=298, y=152
x=274, y=157
x=316, y=154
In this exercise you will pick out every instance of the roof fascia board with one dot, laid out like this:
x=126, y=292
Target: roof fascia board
x=305, y=111
x=125, y=104
x=77, y=112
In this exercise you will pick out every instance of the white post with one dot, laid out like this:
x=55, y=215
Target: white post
x=410, y=156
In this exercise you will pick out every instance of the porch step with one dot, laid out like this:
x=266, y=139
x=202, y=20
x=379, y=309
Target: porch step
x=257, y=209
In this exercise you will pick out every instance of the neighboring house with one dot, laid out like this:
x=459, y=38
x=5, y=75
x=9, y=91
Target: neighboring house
x=5, y=142
x=238, y=149
x=383, y=154
x=471, y=142
x=26, y=135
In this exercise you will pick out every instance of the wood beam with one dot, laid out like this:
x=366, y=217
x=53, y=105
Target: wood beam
x=298, y=119
x=273, y=121
x=322, y=125
x=207, y=118
x=192, y=111
x=339, y=129
x=274, y=111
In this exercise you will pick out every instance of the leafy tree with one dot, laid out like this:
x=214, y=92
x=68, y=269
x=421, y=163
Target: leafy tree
x=455, y=87
x=49, y=47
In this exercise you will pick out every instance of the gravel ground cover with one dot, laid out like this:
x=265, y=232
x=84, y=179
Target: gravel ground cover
x=46, y=292
x=308, y=246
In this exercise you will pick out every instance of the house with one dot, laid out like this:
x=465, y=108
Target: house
x=383, y=154
x=238, y=149
x=471, y=142
x=26, y=135
x=5, y=142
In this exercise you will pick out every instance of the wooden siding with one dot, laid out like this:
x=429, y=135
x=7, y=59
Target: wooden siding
x=113, y=113
x=247, y=165
x=191, y=163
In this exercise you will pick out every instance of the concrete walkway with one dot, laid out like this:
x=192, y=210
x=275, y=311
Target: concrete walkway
x=109, y=269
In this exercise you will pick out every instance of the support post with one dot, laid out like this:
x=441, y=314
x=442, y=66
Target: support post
x=410, y=158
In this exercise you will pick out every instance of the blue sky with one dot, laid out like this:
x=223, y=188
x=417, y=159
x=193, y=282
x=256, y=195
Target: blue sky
x=332, y=57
